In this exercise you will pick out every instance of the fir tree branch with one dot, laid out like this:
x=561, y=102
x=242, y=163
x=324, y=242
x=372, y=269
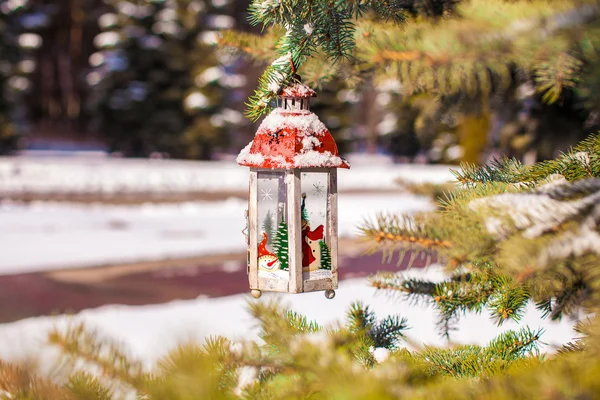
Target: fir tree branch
x=81, y=343
x=85, y=386
x=476, y=361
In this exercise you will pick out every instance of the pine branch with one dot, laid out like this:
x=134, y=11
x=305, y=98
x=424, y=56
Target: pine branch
x=506, y=170
x=318, y=25
x=388, y=332
x=392, y=228
x=22, y=383
x=85, y=386
x=461, y=293
x=359, y=317
x=476, y=361
x=440, y=58
x=583, y=161
x=391, y=9
x=79, y=343
x=277, y=323
x=261, y=48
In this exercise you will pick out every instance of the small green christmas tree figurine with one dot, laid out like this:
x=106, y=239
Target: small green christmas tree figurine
x=268, y=227
x=280, y=243
x=325, y=255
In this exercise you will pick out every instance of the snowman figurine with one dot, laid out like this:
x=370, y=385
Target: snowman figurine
x=267, y=261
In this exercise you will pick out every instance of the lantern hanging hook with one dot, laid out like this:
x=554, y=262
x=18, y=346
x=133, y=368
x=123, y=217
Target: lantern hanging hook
x=295, y=76
x=292, y=66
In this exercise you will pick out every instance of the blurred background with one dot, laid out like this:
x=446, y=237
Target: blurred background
x=143, y=79
x=119, y=125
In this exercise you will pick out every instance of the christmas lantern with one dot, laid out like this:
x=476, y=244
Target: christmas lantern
x=292, y=210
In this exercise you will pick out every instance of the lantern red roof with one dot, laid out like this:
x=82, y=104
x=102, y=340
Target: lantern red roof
x=289, y=139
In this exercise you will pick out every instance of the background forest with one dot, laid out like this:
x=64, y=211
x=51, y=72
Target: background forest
x=86, y=74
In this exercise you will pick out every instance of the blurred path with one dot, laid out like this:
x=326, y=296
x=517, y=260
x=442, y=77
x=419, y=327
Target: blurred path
x=69, y=291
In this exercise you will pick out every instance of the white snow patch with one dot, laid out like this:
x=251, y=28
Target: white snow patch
x=245, y=157
x=301, y=120
x=106, y=176
x=45, y=236
x=275, y=85
x=310, y=142
x=381, y=354
x=147, y=332
x=297, y=90
x=246, y=376
x=313, y=158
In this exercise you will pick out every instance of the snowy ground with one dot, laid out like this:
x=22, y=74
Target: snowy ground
x=106, y=176
x=45, y=236
x=42, y=236
x=148, y=332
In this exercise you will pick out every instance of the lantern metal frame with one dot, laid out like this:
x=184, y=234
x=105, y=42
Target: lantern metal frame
x=296, y=282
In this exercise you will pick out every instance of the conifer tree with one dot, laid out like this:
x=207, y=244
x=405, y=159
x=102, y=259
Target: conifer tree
x=281, y=244
x=157, y=83
x=16, y=65
x=417, y=49
x=325, y=255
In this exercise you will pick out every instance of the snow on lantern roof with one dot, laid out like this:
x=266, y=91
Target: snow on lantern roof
x=298, y=90
x=292, y=139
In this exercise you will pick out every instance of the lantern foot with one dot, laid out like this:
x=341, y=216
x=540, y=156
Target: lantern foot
x=255, y=293
x=330, y=294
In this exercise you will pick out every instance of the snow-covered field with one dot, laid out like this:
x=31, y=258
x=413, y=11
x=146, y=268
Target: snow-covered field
x=147, y=332
x=108, y=176
x=44, y=236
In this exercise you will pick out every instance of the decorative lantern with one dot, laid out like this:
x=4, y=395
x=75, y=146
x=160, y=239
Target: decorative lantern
x=292, y=210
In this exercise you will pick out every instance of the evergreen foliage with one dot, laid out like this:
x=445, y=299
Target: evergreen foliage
x=514, y=233
x=325, y=255
x=158, y=85
x=409, y=42
x=582, y=162
x=16, y=66
x=296, y=358
x=280, y=242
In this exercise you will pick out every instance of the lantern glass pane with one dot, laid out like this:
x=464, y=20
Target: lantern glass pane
x=272, y=240
x=316, y=257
